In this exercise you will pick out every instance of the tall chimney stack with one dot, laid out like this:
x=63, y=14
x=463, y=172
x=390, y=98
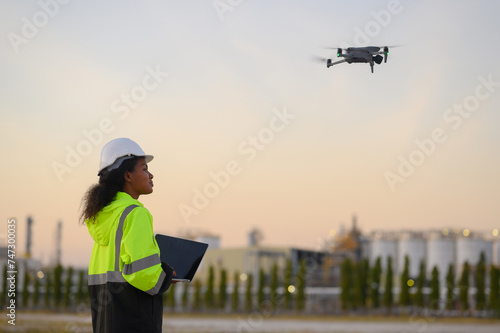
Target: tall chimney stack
x=29, y=237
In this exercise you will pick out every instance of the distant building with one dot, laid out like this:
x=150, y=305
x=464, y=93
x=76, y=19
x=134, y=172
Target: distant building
x=250, y=259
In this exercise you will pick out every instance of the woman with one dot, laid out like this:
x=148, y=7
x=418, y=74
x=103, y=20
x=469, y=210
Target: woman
x=126, y=277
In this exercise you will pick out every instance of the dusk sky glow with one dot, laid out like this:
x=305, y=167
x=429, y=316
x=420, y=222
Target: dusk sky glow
x=247, y=131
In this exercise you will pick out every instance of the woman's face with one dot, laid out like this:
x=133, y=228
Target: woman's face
x=139, y=181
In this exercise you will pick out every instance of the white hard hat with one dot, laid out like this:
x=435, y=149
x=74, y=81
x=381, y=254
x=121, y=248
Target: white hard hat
x=116, y=151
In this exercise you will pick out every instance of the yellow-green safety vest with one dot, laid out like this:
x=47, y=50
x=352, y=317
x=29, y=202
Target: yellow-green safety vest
x=125, y=249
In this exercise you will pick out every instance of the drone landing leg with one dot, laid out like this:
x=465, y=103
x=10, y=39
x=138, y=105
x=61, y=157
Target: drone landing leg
x=371, y=65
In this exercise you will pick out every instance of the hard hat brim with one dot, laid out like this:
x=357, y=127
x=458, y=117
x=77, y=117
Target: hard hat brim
x=116, y=164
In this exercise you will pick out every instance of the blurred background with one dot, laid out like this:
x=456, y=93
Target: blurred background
x=256, y=145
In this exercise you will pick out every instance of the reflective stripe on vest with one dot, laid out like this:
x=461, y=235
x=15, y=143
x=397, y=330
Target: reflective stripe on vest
x=156, y=288
x=105, y=277
x=141, y=264
x=116, y=275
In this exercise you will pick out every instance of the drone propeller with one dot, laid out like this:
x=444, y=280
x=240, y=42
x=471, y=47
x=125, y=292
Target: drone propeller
x=386, y=51
x=318, y=59
x=392, y=46
x=339, y=49
x=345, y=49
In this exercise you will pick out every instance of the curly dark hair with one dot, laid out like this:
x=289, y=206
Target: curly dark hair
x=101, y=194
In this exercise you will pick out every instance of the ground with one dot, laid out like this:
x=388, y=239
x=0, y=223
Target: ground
x=37, y=322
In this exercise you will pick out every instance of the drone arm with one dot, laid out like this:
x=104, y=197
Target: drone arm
x=336, y=62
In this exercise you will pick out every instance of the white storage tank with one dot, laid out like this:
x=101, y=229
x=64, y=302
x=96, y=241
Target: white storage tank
x=469, y=249
x=496, y=252
x=441, y=251
x=383, y=246
x=365, y=248
x=413, y=245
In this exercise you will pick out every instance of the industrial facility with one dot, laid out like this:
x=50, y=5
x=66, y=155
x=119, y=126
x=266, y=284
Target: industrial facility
x=25, y=261
x=435, y=248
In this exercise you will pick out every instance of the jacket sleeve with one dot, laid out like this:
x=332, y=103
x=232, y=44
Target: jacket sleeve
x=139, y=254
x=169, y=272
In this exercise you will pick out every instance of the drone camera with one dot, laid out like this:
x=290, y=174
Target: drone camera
x=378, y=59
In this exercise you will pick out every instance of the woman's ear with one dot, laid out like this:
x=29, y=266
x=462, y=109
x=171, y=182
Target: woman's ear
x=127, y=177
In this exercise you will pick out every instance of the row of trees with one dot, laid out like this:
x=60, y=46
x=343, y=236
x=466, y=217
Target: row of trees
x=60, y=289
x=261, y=291
x=365, y=287
x=54, y=289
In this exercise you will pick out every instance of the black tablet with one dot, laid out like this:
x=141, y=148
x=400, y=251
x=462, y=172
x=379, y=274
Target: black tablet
x=183, y=255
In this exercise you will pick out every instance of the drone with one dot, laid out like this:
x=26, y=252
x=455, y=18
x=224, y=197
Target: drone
x=367, y=54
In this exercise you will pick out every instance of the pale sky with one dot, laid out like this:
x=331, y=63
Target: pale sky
x=227, y=90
